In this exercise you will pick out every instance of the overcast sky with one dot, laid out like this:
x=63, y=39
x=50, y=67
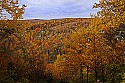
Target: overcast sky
x=54, y=9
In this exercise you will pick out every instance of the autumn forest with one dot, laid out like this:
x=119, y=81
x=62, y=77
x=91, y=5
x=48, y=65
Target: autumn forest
x=68, y=50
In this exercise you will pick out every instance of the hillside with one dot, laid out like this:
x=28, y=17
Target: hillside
x=52, y=32
x=58, y=49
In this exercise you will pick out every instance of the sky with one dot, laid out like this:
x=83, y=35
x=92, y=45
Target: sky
x=56, y=9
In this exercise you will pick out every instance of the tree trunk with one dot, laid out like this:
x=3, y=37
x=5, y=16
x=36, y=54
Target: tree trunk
x=81, y=72
x=87, y=74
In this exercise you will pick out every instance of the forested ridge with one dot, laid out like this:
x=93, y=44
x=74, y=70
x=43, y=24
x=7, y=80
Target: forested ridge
x=68, y=50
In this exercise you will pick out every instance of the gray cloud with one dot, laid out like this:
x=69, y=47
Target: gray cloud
x=48, y=9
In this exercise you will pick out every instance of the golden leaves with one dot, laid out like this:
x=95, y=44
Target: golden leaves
x=11, y=7
x=112, y=10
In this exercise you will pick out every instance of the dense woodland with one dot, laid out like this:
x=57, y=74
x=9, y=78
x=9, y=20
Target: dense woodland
x=69, y=50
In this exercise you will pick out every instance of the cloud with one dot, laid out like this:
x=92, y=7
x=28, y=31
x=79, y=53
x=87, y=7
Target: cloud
x=55, y=3
x=48, y=9
x=50, y=2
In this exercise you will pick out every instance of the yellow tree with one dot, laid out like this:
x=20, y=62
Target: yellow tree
x=92, y=49
x=10, y=31
x=67, y=68
x=112, y=14
x=12, y=8
x=113, y=11
x=9, y=38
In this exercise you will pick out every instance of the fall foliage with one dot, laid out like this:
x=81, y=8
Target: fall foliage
x=70, y=50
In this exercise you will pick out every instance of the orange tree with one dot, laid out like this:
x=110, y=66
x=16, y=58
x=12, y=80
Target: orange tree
x=100, y=59
x=112, y=13
x=17, y=49
x=9, y=41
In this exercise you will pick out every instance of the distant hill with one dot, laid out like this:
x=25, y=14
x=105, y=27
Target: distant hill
x=54, y=31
